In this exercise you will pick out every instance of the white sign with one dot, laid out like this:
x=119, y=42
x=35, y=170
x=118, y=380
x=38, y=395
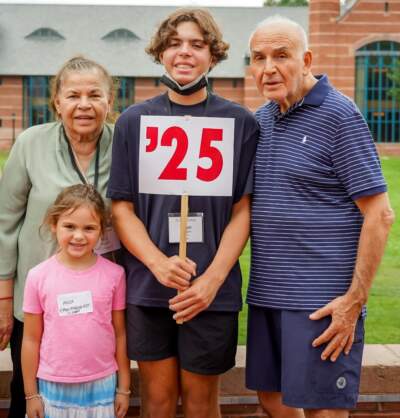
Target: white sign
x=184, y=154
x=75, y=303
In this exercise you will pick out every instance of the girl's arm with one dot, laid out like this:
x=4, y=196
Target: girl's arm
x=124, y=371
x=33, y=330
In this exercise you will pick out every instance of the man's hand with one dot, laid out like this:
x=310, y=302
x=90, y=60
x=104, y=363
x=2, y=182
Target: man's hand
x=339, y=336
x=6, y=322
x=174, y=272
x=195, y=299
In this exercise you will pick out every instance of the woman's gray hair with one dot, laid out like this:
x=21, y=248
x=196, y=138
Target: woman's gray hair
x=282, y=20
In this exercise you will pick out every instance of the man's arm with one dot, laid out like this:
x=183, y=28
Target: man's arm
x=169, y=271
x=345, y=310
x=204, y=289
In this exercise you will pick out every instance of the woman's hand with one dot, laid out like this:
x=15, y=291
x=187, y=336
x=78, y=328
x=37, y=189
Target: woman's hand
x=6, y=322
x=34, y=408
x=121, y=404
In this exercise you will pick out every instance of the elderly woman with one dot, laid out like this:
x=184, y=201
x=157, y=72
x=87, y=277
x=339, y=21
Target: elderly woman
x=45, y=159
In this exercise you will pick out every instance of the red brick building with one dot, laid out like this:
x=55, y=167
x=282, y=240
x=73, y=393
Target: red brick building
x=357, y=44
x=358, y=48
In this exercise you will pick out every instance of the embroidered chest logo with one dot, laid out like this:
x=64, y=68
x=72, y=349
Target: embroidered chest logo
x=304, y=140
x=341, y=382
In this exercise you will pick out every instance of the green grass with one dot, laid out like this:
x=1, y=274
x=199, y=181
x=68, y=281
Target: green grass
x=382, y=323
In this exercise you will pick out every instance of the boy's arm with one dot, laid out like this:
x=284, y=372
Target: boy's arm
x=204, y=289
x=124, y=372
x=169, y=271
x=33, y=330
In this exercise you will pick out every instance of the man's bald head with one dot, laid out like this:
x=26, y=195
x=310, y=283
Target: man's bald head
x=280, y=61
x=284, y=24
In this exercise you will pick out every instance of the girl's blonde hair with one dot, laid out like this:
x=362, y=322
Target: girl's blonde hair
x=73, y=197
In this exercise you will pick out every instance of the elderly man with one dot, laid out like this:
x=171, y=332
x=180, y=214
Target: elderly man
x=320, y=221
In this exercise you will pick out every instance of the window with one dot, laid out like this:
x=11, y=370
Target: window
x=45, y=34
x=36, y=101
x=120, y=35
x=374, y=62
x=125, y=95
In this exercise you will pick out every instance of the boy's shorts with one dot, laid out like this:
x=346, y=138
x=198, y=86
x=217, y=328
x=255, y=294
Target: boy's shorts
x=280, y=358
x=204, y=345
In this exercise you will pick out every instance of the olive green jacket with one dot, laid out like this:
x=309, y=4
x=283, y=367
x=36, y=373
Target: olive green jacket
x=38, y=168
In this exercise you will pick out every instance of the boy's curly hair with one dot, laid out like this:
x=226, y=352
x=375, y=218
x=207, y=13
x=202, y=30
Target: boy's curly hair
x=207, y=25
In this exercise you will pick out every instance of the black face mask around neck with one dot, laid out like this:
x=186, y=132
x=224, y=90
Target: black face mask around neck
x=187, y=89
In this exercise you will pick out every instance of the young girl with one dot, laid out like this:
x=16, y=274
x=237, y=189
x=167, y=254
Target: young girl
x=74, y=334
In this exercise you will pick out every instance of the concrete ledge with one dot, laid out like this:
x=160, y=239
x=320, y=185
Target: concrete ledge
x=380, y=379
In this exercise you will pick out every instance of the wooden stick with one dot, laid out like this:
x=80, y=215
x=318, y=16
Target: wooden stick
x=183, y=232
x=183, y=226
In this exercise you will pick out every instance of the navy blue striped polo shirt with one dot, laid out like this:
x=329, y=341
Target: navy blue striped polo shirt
x=312, y=162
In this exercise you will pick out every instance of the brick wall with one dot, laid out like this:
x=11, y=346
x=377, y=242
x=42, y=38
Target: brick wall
x=146, y=88
x=364, y=410
x=230, y=88
x=11, y=102
x=252, y=98
x=334, y=38
x=379, y=398
x=11, y=99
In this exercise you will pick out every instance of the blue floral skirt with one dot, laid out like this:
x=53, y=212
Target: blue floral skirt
x=93, y=399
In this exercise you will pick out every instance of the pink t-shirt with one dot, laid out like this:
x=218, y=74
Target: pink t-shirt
x=78, y=342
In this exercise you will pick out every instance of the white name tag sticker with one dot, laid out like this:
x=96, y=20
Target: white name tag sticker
x=194, y=229
x=108, y=242
x=75, y=303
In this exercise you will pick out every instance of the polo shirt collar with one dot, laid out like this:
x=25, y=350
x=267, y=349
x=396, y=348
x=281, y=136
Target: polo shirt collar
x=320, y=90
x=314, y=97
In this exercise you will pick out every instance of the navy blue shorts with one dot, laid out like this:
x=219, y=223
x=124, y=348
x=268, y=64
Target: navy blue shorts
x=280, y=358
x=204, y=345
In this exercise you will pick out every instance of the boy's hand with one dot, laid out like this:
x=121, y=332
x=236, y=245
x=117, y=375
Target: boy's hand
x=121, y=405
x=195, y=299
x=174, y=272
x=34, y=408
